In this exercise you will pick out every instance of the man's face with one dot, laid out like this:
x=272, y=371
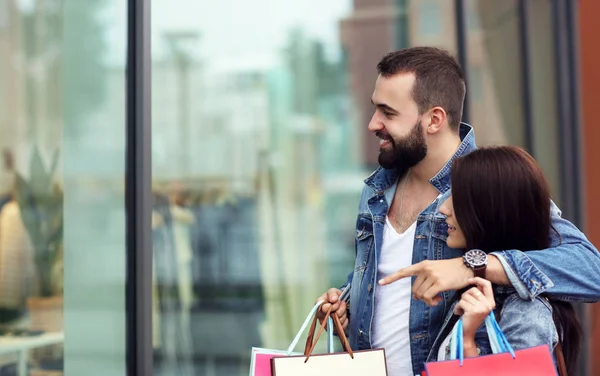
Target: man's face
x=396, y=122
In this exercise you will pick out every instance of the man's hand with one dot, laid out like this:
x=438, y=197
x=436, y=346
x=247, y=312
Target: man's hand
x=331, y=297
x=433, y=278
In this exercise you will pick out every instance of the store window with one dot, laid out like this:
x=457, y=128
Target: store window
x=260, y=149
x=544, y=110
x=473, y=19
x=494, y=73
x=253, y=145
x=62, y=247
x=496, y=81
x=31, y=199
x=431, y=23
x=475, y=83
x=430, y=19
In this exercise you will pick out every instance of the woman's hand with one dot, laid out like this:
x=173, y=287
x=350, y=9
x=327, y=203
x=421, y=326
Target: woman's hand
x=474, y=306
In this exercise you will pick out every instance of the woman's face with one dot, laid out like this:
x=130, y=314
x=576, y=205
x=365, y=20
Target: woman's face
x=456, y=238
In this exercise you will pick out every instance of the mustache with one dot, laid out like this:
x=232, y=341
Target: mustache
x=383, y=135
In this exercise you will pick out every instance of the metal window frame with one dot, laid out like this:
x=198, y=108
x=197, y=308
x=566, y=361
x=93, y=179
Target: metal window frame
x=138, y=192
x=568, y=110
x=526, y=85
x=567, y=99
x=462, y=49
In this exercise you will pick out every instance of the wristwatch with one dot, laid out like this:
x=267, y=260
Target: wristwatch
x=476, y=259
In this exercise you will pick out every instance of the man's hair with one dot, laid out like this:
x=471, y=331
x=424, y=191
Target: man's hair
x=439, y=81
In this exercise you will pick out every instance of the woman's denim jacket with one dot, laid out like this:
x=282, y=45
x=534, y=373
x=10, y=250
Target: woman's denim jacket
x=525, y=323
x=569, y=270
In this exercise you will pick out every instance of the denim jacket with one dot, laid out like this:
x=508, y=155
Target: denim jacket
x=525, y=323
x=569, y=270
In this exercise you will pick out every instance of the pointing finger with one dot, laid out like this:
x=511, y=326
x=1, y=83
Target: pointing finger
x=410, y=271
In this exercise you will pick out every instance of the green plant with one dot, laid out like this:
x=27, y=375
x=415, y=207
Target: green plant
x=40, y=202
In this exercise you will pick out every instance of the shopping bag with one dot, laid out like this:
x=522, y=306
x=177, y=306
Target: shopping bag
x=260, y=359
x=347, y=363
x=260, y=363
x=534, y=361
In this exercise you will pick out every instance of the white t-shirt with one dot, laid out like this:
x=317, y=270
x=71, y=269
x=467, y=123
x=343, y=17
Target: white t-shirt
x=392, y=302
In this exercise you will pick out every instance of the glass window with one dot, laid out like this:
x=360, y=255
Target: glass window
x=253, y=130
x=475, y=84
x=93, y=86
x=4, y=15
x=473, y=19
x=494, y=83
x=430, y=20
x=431, y=23
x=543, y=106
x=495, y=80
x=260, y=149
x=62, y=121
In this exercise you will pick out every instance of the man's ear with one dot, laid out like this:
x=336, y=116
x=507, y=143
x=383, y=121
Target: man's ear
x=437, y=119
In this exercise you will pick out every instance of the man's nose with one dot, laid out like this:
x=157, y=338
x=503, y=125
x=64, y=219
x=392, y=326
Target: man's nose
x=375, y=125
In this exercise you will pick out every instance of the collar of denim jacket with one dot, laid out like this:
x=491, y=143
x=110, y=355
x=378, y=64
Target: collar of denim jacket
x=383, y=179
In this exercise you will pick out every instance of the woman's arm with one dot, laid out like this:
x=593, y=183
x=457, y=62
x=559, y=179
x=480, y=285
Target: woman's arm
x=528, y=323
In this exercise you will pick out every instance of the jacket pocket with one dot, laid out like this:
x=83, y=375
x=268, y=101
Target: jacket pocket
x=439, y=228
x=364, y=241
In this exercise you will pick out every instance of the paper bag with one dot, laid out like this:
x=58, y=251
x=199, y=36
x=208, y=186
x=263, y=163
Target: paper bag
x=348, y=363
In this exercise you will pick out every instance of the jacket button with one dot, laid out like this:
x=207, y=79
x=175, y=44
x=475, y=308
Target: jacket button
x=360, y=332
x=370, y=287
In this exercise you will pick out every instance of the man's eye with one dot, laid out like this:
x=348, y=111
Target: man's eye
x=388, y=114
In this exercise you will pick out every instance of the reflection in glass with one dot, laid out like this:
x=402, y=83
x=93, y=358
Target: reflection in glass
x=61, y=197
x=494, y=73
x=93, y=79
x=495, y=79
x=31, y=197
x=255, y=177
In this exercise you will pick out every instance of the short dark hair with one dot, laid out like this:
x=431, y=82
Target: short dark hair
x=501, y=201
x=439, y=80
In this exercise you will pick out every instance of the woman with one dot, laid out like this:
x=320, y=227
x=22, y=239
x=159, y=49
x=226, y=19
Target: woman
x=501, y=200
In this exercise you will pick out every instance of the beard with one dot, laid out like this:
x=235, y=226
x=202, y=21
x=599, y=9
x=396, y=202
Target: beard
x=406, y=152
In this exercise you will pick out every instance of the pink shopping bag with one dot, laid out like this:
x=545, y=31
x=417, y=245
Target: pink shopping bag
x=260, y=364
x=260, y=360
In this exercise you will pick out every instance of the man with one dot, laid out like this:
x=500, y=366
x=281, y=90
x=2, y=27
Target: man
x=400, y=233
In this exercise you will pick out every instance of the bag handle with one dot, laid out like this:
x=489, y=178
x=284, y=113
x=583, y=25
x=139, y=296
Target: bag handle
x=313, y=311
x=498, y=340
x=310, y=344
x=500, y=344
x=560, y=359
x=307, y=321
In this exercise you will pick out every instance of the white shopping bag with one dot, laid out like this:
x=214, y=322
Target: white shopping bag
x=260, y=360
x=348, y=363
x=366, y=362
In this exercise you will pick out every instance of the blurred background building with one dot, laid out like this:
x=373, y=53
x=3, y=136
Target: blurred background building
x=259, y=149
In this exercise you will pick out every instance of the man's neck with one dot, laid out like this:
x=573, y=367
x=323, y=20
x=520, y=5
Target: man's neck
x=438, y=155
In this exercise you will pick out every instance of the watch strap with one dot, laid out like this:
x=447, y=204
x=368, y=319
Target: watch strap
x=480, y=272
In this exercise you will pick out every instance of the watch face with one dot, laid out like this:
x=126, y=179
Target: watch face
x=476, y=258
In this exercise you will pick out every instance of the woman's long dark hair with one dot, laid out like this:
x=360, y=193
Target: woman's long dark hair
x=501, y=201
